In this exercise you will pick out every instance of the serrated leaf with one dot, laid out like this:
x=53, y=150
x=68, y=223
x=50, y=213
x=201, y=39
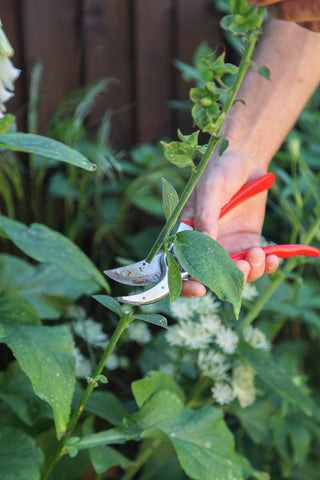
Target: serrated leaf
x=174, y=277
x=19, y=456
x=153, y=318
x=48, y=246
x=46, y=147
x=208, y=262
x=110, y=303
x=180, y=154
x=170, y=198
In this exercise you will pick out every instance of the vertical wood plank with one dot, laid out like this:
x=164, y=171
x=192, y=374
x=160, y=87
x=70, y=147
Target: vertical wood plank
x=196, y=22
x=153, y=64
x=10, y=17
x=51, y=34
x=108, y=53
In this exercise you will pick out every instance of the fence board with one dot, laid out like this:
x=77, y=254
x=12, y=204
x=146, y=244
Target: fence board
x=134, y=41
x=108, y=53
x=153, y=65
x=50, y=34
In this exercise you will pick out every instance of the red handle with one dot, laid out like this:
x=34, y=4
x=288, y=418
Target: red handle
x=282, y=251
x=249, y=190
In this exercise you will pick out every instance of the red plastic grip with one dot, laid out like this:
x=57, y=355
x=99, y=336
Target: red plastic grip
x=249, y=190
x=282, y=251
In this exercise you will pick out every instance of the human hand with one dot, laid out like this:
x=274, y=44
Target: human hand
x=304, y=12
x=240, y=229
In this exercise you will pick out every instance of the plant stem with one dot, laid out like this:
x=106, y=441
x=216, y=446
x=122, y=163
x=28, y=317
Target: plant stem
x=197, y=172
x=122, y=325
x=142, y=458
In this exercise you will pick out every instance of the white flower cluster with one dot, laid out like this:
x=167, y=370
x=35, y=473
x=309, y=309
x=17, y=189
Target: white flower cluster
x=139, y=332
x=199, y=328
x=91, y=332
x=8, y=73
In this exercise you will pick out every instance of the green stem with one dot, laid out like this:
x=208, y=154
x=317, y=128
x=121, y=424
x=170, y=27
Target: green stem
x=142, y=458
x=197, y=172
x=254, y=312
x=122, y=325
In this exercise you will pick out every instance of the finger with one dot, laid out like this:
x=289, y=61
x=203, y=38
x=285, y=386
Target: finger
x=313, y=26
x=296, y=10
x=257, y=260
x=193, y=288
x=272, y=263
x=188, y=211
x=244, y=266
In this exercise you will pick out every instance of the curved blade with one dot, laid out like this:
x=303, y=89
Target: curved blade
x=140, y=273
x=154, y=294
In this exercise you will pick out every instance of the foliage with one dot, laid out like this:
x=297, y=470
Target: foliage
x=206, y=396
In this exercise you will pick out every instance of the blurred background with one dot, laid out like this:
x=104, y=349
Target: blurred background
x=133, y=42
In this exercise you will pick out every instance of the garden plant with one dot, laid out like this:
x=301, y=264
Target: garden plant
x=220, y=387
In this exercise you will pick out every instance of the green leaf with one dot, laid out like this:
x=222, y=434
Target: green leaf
x=16, y=309
x=45, y=354
x=110, y=303
x=103, y=457
x=6, y=122
x=153, y=318
x=272, y=375
x=180, y=154
x=223, y=145
x=17, y=392
x=170, y=198
x=46, y=147
x=207, y=261
x=19, y=456
x=174, y=277
x=46, y=245
x=143, y=389
x=264, y=71
x=107, y=406
x=204, y=445
x=45, y=286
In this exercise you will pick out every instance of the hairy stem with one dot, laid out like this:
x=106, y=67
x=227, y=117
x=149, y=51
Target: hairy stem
x=197, y=172
x=122, y=325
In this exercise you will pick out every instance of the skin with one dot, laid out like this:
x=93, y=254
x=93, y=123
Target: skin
x=255, y=132
x=304, y=12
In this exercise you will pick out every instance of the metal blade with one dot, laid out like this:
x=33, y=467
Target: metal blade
x=140, y=273
x=154, y=294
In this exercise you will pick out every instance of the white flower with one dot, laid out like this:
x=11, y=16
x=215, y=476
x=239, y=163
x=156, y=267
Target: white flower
x=243, y=385
x=91, y=332
x=139, y=332
x=168, y=369
x=213, y=364
x=204, y=305
x=113, y=362
x=227, y=340
x=193, y=335
x=256, y=338
x=8, y=73
x=222, y=393
x=249, y=292
x=173, y=336
x=83, y=365
x=181, y=308
x=211, y=323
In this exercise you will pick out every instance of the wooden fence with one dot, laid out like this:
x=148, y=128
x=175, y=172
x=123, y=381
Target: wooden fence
x=134, y=41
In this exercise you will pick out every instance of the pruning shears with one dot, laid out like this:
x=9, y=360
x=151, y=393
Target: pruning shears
x=156, y=272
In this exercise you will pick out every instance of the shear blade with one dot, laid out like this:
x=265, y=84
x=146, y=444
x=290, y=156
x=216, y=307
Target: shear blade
x=139, y=274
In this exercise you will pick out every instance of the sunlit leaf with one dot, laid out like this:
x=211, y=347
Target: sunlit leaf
x=170, y=198
x=207, y=261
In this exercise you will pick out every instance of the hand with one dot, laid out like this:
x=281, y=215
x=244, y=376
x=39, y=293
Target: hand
x=240, y=229
x=304, y=12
